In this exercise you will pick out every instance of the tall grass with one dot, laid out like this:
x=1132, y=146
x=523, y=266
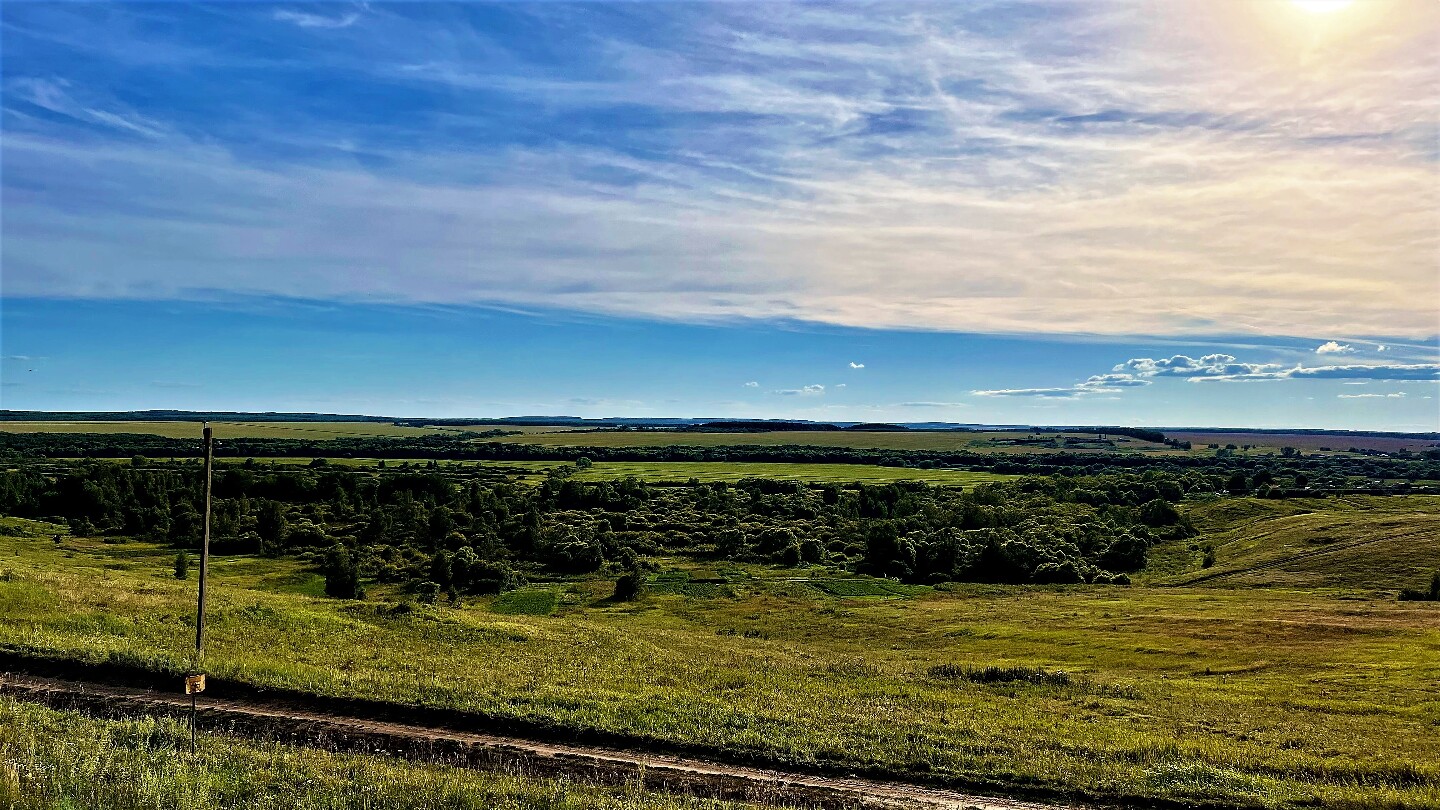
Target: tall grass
x=51, y=760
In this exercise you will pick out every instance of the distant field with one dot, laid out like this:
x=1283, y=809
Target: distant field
x=681, y=471
x=247, y=430
x=733, y=471
x=1309, y=442
x=975, y=441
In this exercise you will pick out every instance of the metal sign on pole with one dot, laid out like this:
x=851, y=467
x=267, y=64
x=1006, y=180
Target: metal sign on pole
x=195, y=683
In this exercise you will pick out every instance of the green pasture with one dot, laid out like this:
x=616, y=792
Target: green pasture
x=1280, y=694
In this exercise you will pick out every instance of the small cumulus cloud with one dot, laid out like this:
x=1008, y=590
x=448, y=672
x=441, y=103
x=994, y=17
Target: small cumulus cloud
x=841, y=385
x=1331, y=347
x=752, y=384
x=856, y=365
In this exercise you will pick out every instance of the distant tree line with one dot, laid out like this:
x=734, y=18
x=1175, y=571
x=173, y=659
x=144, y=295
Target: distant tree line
x=1320, y=471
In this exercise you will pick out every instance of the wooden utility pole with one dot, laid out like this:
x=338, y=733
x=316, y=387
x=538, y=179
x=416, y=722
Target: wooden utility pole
x=195, y=683
x=204, y=550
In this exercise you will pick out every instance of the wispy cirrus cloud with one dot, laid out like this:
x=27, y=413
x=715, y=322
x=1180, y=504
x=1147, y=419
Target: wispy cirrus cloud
x=308, y=20
x=803, y=391
x=1017, y=168
x=1096, y=384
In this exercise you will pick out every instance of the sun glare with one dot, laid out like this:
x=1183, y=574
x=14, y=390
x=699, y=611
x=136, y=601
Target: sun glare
x=1323, y=6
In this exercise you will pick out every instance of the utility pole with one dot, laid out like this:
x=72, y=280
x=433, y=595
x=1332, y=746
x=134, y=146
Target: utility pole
x=195, y=683
x=204, y=550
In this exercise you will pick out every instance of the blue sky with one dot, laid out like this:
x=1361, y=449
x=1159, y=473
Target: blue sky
x=1146, y=213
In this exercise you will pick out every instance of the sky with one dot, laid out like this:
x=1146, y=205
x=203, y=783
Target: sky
x=1172, y=212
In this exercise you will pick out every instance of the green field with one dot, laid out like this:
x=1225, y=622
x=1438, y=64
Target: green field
x=1013, y=441
x=682, y=471
x=248, y=430
x=706, y=471
x=1281, y=694
x=975, y=441
x=51, y=760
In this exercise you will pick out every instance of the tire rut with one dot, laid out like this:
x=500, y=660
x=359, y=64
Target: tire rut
x=658, y=771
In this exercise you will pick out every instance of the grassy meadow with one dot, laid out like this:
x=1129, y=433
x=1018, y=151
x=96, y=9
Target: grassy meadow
x=51, y=759
x=1276, y=694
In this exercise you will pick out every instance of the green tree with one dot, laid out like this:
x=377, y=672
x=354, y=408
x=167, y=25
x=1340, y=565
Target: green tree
x=342, y=575
x=182, y=566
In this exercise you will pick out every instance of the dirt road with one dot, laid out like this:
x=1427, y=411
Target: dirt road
x=284, y=721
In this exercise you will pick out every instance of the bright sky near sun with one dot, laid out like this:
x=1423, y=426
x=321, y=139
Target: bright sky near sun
x=1185, y=212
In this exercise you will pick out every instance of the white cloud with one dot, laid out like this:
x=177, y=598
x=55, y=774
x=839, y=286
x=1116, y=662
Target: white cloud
x=1398, y=395
x=1114, y=172
x=1046, y=393
x=841, y=385
x=856, y=365
x=305, y=20
x=752, y=384
x=804, y=391
x=1331, y=347
x=1225, y=367
x=1095, y=384
x=1142, y=371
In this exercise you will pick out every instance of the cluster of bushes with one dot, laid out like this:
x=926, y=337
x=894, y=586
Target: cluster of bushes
x=448, y=532
x=1416, y=595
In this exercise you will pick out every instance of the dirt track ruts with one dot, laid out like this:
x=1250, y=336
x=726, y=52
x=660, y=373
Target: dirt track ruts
x=290, y=724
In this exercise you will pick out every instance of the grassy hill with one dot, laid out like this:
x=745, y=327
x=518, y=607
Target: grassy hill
x=1351, y=542
x=1274, y=697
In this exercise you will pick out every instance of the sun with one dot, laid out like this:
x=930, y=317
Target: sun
x=1323, y=6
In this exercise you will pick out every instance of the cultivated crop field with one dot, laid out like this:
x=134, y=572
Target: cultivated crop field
x=1278, y=693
